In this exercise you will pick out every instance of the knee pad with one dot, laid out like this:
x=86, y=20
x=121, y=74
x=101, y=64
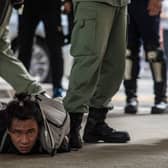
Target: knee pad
x=128, y=65
x=131, y=65
x=156, y=55
x=158, y=64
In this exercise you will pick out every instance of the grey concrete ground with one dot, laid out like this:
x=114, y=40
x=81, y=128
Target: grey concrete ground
x=148, y=147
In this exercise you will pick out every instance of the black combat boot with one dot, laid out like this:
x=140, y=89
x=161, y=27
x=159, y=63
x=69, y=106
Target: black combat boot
x=131, y=100
x=160, y=107
x=97, y=130
x=131, y=106
x=75, y=141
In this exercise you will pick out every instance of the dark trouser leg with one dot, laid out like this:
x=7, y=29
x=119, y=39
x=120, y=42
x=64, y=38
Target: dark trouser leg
x=132, y=69
x=165, y=42
x=27, y=26
x=74, y=137
x=159, y=74
x=54, y=38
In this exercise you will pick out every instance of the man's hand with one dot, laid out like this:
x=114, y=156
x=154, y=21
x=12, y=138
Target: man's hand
x=67, y=6
x=154, y=7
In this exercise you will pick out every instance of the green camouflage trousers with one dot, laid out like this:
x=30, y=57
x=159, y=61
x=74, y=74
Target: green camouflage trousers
x=98, y=48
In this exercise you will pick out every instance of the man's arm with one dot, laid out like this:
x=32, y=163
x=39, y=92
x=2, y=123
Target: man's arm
x=154, y=7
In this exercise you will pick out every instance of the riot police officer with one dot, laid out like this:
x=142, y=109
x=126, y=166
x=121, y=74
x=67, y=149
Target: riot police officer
x=144, y=29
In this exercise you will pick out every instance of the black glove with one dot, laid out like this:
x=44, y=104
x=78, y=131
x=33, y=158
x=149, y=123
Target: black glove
x=17, y=3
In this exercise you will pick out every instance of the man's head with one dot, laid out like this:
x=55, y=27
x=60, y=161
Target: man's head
x=24, y=122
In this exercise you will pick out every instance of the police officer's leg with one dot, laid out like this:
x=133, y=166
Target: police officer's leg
x=94, y=30
x=165, y=42
x=54, y=39
x=155, y=57
x=13, y=71
x=157, y=63
x=132, y=68
x=132, y=61
x=85, y=68
x=110, y=77
x=27, y=25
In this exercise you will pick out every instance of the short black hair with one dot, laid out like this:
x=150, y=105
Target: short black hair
x=22, y=107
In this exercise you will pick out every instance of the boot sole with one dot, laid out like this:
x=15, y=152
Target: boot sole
x=75, y=148
x=130, y=110
x=158, y=111
x=98, y=139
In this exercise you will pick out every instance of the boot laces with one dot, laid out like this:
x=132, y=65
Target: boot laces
x=104, y=126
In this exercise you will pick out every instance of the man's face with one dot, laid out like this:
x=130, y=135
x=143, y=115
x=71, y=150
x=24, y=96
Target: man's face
x=23, y=134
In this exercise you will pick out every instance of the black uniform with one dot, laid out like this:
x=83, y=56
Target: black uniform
x=144, y=29
x=49, y=13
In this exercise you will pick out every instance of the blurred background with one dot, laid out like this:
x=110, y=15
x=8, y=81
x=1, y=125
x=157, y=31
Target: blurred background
x=40, y=63
x=40, y=68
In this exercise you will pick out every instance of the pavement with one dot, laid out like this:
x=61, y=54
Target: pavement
x=148, y=147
